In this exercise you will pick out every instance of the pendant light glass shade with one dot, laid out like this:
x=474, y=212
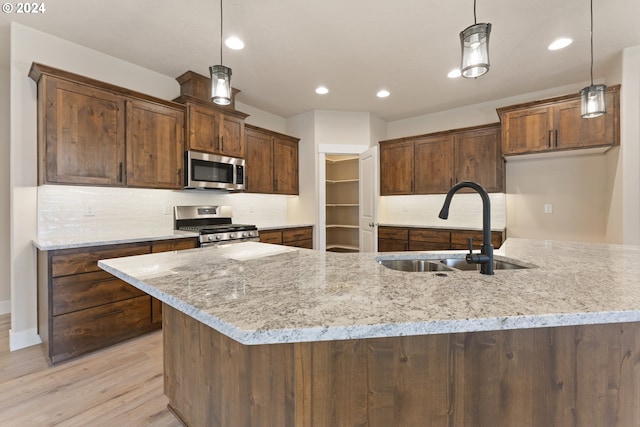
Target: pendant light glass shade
x=220, y=84
x=220, y=77
x=475, y=50
x=592, y=101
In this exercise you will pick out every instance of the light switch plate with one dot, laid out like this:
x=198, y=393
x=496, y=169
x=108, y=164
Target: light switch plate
x=548, y=208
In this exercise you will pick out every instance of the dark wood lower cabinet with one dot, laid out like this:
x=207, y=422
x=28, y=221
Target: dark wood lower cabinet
x=82, y=308
x=97, y=327
x=398, y=239
x=301, y=237
x=566, y=376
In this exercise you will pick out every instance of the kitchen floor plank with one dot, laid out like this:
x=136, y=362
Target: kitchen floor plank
x=120, y=385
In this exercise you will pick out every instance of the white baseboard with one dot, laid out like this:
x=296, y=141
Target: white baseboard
x=18, y=340
x=5, y=307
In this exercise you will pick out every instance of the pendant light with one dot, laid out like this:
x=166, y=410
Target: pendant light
x=475, y=48
x=220, y=77
x=592, y=97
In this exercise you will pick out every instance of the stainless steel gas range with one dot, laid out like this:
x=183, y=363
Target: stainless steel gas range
x=214, y=224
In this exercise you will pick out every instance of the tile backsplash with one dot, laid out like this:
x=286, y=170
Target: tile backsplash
x=465, y=210
x=78, y=211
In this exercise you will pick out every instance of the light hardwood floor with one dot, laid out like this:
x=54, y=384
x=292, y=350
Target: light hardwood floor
x=118, y=386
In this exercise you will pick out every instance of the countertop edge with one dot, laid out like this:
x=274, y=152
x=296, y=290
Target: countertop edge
x=282, y=227
x=56, y=244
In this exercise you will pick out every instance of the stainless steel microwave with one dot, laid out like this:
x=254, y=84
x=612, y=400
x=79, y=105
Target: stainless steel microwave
x=203, y=170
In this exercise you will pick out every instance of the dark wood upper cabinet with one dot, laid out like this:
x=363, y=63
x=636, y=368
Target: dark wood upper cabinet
x=556, y=124
x=271, y=162
x=85, y=127
x=478, y=158
x=396, y=167
x=212, y=131
x=259, y=161
x=155, y=145
x=81, y=134
x=431, y=164
x=285, y=162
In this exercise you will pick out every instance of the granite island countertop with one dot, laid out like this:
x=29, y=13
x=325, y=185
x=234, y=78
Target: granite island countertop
x=258, y=293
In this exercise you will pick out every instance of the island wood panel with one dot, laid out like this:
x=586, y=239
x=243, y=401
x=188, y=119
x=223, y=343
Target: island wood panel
x=568, y=376
x=213, y=380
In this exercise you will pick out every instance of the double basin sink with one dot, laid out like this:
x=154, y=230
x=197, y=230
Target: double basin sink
x=443, y=264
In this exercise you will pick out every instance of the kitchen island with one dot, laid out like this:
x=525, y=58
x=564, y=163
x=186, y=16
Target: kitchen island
x=258, y=334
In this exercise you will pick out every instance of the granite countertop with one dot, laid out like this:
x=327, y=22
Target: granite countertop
x=258, y=293
x=82, y=241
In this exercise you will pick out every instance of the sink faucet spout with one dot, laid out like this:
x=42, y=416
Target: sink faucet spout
x=485, y=259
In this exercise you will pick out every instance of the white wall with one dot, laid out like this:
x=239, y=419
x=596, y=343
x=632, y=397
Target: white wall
x=302, y=209
x=263, y=118
x=574, y=186
x=5, y=277
x=472, y=115
x=61, y=207
x=342, y=127
x=630, y=147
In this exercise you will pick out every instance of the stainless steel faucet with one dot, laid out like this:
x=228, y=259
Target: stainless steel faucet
x=485, y=257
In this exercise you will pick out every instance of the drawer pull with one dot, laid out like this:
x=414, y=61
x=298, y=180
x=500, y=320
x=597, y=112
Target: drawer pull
x=112, y=313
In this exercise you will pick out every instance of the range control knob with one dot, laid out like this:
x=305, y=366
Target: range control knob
x=209, y=238
x=232, y=235
x=245, y=234
x=218, y=237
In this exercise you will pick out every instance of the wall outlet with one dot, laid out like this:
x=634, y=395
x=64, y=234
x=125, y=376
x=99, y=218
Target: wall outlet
x=548, y=208
x=89, y=210
x=166, y=209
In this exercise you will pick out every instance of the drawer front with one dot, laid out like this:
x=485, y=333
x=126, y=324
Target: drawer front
x=392, y=245
x=271, y=237
x=428, y=246
x=429, y=235
x=393, y=233
x=306, y=243
x=84, y=260
x=80, y=291
x=297, y=234
x=81, y=331
x=174, y=245
x=459, y=239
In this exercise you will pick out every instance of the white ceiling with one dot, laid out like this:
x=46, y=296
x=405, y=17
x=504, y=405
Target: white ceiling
x=354, y=47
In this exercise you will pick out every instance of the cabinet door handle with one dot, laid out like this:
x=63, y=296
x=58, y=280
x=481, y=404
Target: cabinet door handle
x=120, y=177
x=222, y=143
x=111, y=313
x=218, y=143
x=275, y=185
x=555, y=138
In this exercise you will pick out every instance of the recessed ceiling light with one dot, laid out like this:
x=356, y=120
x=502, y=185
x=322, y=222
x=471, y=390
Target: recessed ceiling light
x=321, y=90
x=560, y=43
x=383, y=93
x=455, y=73
x=234, y=43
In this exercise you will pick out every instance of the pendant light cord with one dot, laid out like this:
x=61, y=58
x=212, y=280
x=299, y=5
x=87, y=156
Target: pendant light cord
x=475, y=21
x=220, y=32
x=591, y=11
